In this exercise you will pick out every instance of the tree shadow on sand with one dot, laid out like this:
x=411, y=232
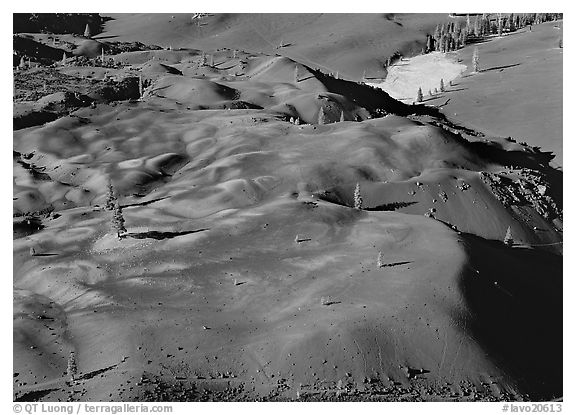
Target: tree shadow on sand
x=160, y=235
x=390, y=207
x=495, y=68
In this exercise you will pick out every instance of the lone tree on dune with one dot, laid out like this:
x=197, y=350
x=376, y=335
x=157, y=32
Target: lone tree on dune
x=508, y=238
x=140, y=86
x=321, y=116
x=357, y=197
x=118, y=220
x=419, y=96
x=110, y=197
x=87, y=31
x=71, y=369
x=475, y=61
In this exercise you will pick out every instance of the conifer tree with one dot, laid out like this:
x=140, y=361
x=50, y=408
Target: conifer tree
x=87, y=31
x=429, y=43
x=64, y=58
x=475, y=61
x=110, y=197
x=72, y=368
x=442, y=88
x=419, y=96
x=508, y=238
x=22, y=64
x=321, y=116
x=357, y=197
x=140, y=86
x=118, y=220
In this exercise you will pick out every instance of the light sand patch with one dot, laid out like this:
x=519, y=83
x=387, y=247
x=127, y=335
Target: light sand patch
x=424, y=71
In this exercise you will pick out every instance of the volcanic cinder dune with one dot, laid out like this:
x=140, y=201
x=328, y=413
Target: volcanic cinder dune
x=248, y=269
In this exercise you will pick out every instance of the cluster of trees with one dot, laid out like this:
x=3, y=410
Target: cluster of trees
x=456, y=34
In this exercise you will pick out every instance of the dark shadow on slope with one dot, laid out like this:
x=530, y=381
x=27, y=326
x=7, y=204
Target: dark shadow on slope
x=26, y=226
x=33, y=118
x=373, y=99
x=161, y=235
x=515, y=296
x=34, y=396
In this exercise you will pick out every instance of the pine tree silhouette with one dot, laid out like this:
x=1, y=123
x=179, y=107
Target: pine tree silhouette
x=357, y=197
x=110, y=197
x=419, y=96
x=140, y=86
x=321, y=116
x=118, y=220
x=442, y=88
x=475, y=61
x=87, y=31
x=508, y=240
x=71, y=369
